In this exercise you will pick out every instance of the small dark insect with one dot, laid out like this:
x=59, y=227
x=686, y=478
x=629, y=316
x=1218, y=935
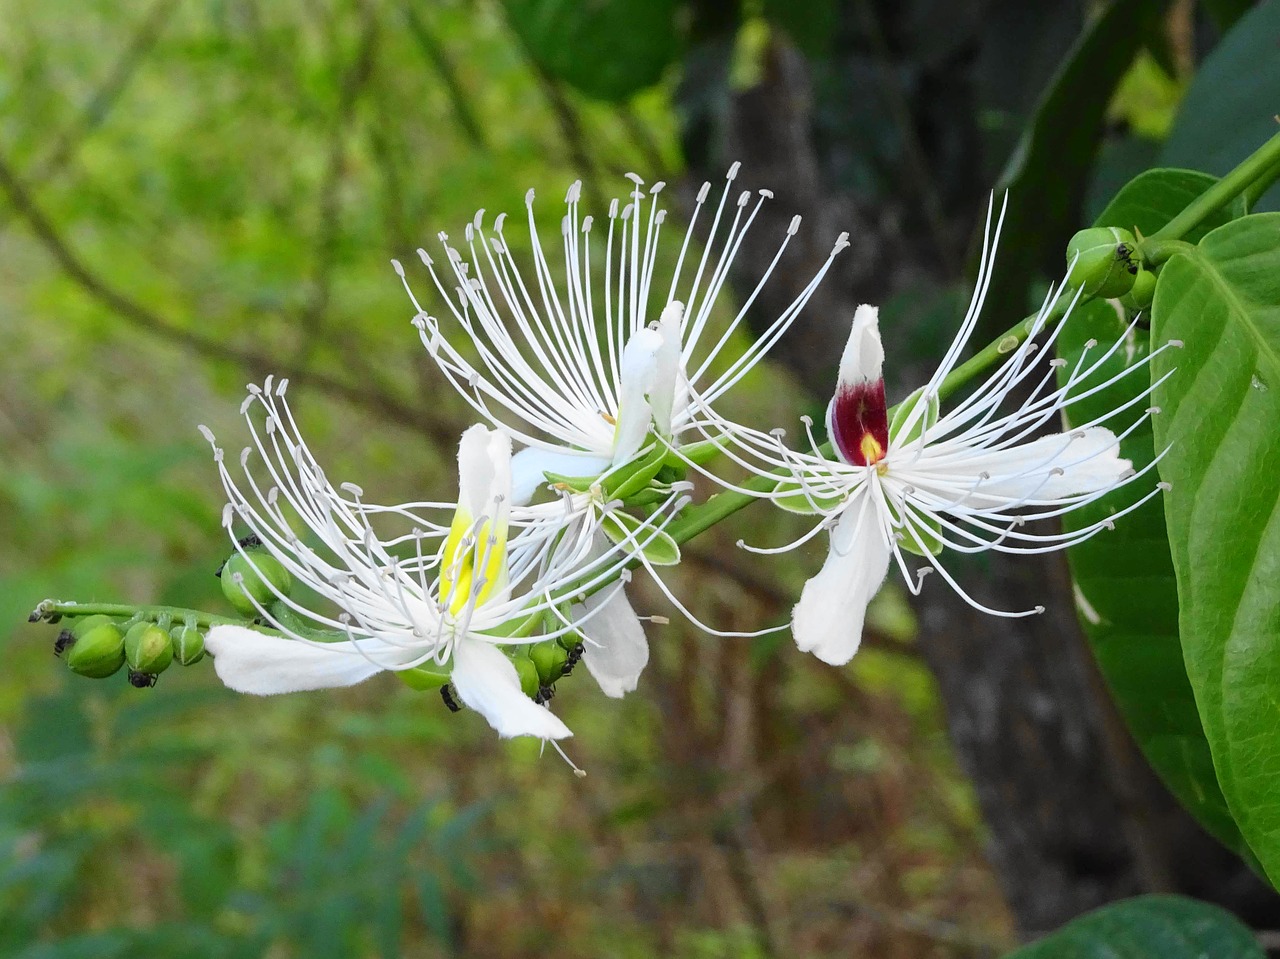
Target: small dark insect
x=575, y=656
x=141, y=680
x=252, y=541
x=63, y=642
x=446, y=693
x=544, y=694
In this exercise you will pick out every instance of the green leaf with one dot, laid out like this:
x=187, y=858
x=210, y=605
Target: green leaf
x=1221, y=420
x=607, y=49
x=1231, y=105
x=1150, y=927
x=1126, y=594
x=1047, y=174
x=659, y=548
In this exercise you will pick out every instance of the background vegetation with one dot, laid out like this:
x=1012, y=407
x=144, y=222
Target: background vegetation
x=193, y=195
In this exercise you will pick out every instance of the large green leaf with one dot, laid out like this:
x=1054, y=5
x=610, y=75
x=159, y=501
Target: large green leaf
x=1150, y=927
x=1231, y=105
x=1125, y=588
x=608, y=49
x=1221, y=420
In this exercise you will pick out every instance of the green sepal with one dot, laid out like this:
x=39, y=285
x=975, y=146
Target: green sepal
x=527, y=672
x=698, y=453
x=1143, y=292
x=658, y=547
x=549, y=657
x=188, y=645
x=517, y=627
x=922, y=423
x=796, y=500
x=930, y=532
x=579, y=484
x=424, y=677
x=83, y=626
x=632, y=477
x=148, y=648
x=98, y=652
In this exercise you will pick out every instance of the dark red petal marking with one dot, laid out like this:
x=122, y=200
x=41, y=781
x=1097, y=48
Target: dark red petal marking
x=860, y=423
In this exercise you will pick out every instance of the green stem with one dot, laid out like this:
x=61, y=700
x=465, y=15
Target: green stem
x=1256, y=167
x=179, y=615
x=1155, y=252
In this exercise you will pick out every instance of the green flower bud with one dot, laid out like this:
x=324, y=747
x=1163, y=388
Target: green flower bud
x=549, y=657
x=242, y=579
x=1143, y=292
x=528, y=674
x=147, y=649
x=98, y=651
x=1104, y=264
x=188, y=645
x=67, y=637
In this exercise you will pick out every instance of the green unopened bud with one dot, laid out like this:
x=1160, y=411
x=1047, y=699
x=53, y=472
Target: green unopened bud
x=147, y=649
x=1103, y=258
x=528, y=674
x=257, y=574
x=1143, y=292
x=549, y=657
x=188, y=645
x=98, y=651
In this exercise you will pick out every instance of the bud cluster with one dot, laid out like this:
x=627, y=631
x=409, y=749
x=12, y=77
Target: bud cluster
x=98, y=646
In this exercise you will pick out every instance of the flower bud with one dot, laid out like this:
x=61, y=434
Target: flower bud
x=98, y=651
x=549, y=658
x=147, y=649
x=188, y=645
x=1103, y=261
x=528, y=674
x=1143, y=292
x=257, y=574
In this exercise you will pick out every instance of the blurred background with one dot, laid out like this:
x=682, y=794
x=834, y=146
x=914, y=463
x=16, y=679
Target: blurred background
x=195, y=193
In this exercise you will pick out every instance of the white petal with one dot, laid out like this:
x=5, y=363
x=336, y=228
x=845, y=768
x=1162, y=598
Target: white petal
x=618, y=651
x=639, y=370
x=252, y=662
x=487, y=682
x=1049, y=468
x=828, y=619
x=484, y=471
x=666, y=375
x=863, y=358
x=529, y=465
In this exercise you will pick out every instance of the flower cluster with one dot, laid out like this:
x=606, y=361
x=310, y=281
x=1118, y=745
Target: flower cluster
x=609, y=379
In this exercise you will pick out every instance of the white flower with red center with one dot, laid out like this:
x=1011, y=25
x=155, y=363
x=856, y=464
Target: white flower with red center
x=968, y=479
x=456, y=585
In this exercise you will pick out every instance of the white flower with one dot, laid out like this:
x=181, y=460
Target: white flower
x=444, y=594
x=579, y=374
x=967, y=479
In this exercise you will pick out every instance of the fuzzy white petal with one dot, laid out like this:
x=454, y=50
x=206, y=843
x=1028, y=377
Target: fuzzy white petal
x=252, y=662
x=863, y=358
x=666, y=375
x=828, y=619
x=1049, y=468
x=529, y=465
x=618, y=651
x=487, y=682
x=638, y=374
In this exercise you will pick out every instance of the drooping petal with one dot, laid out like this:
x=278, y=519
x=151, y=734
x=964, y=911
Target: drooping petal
x=484, y=470
x=666, y=374
x=486, y=681
x=638, y=374
x=828, y=619
x=857, y=416
x=260, y=664
x=617, y=651
x=529, y=466
x=1049, y=468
